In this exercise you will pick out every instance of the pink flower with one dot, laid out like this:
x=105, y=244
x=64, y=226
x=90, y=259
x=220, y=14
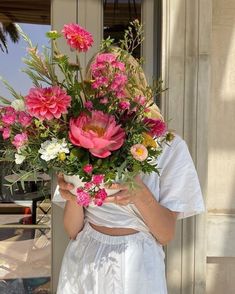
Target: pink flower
x=20, y=140
x=88, y=168
x=104, y=100
x=120, y=93
x=88, y=185
x=83, y=197
x=24, y=118
x=157, y=127
x=6, y=133
x=88, y=105
x=140, y=100
x=99, y=133
x=98, y=201
x=124, y=105
x=119, y=81
x=77, y=37
x=9, y=119
x=147, y=110
x=105, y=57
x=108, y=72
x=119, y=65
x=8, y=115
x=139, y=152
x=9, y=110
x=97, y=179
x=100, y=82
x=101, y=194
x=47, y=103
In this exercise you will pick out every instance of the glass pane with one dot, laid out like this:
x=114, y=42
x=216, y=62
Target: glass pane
x=25, y=222
x=117, y=16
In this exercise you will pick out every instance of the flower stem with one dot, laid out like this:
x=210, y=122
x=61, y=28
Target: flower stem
x=82, y=80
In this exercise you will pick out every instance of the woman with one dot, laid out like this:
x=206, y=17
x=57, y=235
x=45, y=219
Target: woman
x=117, y=248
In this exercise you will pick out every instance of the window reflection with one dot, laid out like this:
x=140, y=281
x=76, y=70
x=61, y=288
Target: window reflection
x=117, y=15
x=25, y=222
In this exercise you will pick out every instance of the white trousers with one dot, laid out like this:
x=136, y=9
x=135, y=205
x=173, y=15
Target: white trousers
x=95, y=263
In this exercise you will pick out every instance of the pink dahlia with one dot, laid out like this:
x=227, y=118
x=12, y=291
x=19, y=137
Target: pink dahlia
x=77, y=37
x=157, y=127
x=99, y=133
x=47, y=103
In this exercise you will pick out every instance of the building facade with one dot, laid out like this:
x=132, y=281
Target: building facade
x=197, y=65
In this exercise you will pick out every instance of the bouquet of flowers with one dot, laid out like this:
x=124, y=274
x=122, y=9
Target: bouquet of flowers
x=99, y=126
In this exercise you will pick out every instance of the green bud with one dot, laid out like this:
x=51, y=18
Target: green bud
x=53, y=35
x=170, y=137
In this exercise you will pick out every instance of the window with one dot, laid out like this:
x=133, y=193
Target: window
x=117, y=16
x=25, y=214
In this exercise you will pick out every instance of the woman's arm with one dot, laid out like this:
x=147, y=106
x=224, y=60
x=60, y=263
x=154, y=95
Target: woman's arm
x=73, y=213
x=159, y=219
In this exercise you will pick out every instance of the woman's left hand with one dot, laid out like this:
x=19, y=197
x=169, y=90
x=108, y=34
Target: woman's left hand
x=127, y=195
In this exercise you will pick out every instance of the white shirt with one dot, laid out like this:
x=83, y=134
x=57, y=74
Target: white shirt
x=177, y=188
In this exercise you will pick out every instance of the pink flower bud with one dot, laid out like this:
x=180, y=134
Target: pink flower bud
x=88, y=168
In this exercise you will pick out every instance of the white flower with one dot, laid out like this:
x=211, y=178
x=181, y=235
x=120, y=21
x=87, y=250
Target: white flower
x=51, y=148
x=18, y=105
x=19, y=158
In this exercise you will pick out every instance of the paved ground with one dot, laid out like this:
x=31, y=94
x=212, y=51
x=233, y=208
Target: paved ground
x=24, y=257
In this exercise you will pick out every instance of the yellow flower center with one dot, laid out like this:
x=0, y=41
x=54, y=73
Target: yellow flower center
x=62, y=156
x=139, y=151
x=96, y=129
x=79, y=39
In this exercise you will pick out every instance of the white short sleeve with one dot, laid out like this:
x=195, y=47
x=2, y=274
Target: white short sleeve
x=179, y=185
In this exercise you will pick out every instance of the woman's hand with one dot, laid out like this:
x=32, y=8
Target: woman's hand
x=159, y=219
x=126, y=195
x=65, y=188
x=73, y=213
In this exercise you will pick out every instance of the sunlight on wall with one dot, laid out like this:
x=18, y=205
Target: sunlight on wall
x=221, y=170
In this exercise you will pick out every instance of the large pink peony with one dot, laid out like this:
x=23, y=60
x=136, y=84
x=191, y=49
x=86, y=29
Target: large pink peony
x=77, y=37
x=98, y=133
x=47, y=103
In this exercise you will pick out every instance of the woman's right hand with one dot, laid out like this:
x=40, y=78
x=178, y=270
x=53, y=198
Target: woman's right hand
x=73, y=213
x=64, y=188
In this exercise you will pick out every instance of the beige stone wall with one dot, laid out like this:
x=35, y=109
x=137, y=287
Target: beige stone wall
x=221, y=164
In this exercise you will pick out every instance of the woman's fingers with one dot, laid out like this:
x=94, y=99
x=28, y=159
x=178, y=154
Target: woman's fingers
x=119, y=198
x=116, y=186
x=66, y=194
x=64, y=185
